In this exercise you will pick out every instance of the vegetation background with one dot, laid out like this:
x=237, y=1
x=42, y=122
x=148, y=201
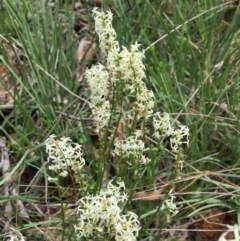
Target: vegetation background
x=192, y=66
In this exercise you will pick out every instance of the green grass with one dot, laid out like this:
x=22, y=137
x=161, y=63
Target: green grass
x=183, y=42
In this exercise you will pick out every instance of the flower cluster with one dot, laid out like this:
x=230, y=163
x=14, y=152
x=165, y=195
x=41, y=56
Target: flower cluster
x=131, y=146
x=64, y=154
x=123, y=68
x=169, y=207
x=104, y=29
x=132, y=72
x=179, y=137
x=97, y=78
x=163, y=128
x=101, y=216
x=162, y=125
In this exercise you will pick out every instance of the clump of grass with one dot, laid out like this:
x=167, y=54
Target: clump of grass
x=191, y=67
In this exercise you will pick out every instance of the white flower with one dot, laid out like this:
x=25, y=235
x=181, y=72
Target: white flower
x=113, y=64
x=84, y=229
x=13, y=237
x=162, y=125
x=124, y=68
x=104, y=29
x=104, y=212
x=144, y=102
x=102, y=115
x=127, y=227
x=170, y=207
x=177, y=138
x=236, y=231
x=98, y=80
x=117, y=191
x=52, y=179
x=64, y=154
x=131, y=146
x=131, y=65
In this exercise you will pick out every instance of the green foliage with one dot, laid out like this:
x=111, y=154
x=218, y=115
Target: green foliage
x=192, y=65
